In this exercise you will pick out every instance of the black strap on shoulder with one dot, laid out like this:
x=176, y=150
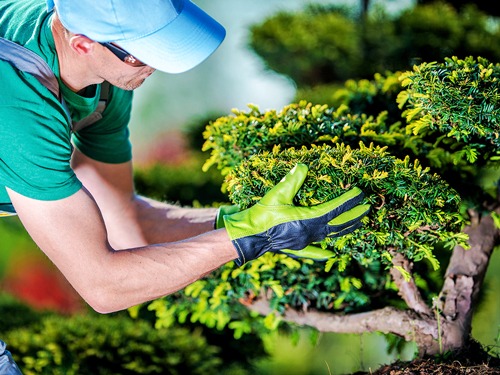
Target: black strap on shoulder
x=28, y=61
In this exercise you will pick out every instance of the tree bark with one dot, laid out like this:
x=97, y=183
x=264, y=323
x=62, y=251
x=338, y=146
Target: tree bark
x=464, y=278
x=408, y=290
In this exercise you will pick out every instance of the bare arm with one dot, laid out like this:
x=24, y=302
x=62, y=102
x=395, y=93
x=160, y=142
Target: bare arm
x=72, y=234
x=161, y=249
x=132, y=220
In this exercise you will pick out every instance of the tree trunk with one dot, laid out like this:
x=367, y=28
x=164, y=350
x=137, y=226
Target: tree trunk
x=463, y=280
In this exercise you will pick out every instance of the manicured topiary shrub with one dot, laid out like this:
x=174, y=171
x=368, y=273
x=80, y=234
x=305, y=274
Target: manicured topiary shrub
x=302, y=37
x=420, y=176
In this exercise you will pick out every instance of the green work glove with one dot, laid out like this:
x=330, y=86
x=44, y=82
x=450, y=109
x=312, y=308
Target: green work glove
x=309, y=252
x=274, y=223
x=224, y=210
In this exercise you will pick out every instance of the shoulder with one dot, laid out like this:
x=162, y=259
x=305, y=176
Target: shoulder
x=31, y=115
x=19, y=87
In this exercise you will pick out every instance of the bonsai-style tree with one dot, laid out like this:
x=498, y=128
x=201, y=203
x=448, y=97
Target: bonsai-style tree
x=424, y=179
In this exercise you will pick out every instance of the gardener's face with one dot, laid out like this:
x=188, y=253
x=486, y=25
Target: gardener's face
x=121, y=69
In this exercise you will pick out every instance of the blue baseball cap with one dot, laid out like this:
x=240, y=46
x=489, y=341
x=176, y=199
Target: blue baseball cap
x=169, y=35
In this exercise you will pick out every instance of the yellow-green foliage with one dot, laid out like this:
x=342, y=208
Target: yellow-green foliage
x=231, y=139
x=412, y=209
x=456, y=103
x=452, y=114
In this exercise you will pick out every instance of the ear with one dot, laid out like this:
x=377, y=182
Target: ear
x=81, y=44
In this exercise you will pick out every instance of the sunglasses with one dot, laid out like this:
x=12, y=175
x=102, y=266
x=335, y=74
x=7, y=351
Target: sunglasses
x=123, y=55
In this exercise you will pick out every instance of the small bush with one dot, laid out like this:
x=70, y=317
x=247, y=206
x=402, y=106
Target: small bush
x=99, y=344
x=311, y=40
x=330, y=44
x=44, y=342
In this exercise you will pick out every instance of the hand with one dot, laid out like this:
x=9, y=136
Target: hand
x=274, y=223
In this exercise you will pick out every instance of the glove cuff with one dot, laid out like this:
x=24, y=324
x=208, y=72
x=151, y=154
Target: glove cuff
x=250, y=248
x=224, y=210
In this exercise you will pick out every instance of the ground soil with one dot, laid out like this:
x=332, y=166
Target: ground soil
x=430, y=367
x=472, y=360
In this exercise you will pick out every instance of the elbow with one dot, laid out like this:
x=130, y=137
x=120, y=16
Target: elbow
x=103, y=302
x=103, y=295
x=99, y=300
x=103, y=286
x=102, y=308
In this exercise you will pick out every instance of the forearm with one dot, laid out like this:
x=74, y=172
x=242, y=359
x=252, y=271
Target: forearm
x=163, y=222
x=132, y=220
x=144, y=221
x=157, y=270
x=72, y=233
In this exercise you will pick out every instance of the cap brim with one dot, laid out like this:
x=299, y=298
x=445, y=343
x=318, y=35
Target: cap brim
x=180, y=45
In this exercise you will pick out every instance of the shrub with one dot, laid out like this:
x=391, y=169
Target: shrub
x=415, y=212
x=88, y=344
x=311, y=40
x=434, y=31
x=44, y=342
x=330, y=44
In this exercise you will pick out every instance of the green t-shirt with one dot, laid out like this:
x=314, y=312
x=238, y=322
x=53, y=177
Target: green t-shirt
x=36, y=141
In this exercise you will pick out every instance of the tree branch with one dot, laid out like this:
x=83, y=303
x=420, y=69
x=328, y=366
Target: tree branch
x=407, y=290
x=404, y=323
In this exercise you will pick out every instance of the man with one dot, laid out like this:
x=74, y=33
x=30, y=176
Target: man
x=72, y=186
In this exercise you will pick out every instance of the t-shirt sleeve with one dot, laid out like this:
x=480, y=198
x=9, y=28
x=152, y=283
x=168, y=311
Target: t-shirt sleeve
x=35, y=151
x=108, y=140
